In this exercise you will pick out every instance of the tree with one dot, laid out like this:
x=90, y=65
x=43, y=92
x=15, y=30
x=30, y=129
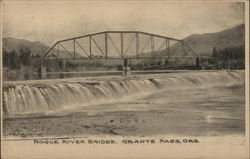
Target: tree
x=214, y=54
x=25, y=56
x=14, y=60
x=230, y=57
x=6, y=58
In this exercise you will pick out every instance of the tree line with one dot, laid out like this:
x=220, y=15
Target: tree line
x=233, y=58
x=229, y=58
x=15, y=59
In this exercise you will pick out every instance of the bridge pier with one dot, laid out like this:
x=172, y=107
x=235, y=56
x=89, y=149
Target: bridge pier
x=126, y=68
x=198, y=63
x=42, y=70
x=62, y=64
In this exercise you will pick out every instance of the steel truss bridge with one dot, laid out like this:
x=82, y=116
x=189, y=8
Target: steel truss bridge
x=120, y=45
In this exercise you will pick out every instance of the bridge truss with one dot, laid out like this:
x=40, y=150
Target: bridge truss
x=120, y=45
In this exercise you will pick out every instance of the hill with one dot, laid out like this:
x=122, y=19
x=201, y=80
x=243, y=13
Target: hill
x=36, y=48
x=203, y=43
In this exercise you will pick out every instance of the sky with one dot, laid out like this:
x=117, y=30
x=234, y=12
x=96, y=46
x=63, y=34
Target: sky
x=49, y=22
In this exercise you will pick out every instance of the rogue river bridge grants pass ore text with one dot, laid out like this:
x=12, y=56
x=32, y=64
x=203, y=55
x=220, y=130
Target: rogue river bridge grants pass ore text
x=124, y=141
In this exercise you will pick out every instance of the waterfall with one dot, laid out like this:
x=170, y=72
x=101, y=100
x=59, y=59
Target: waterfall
x=30, y=98
x=33, y=99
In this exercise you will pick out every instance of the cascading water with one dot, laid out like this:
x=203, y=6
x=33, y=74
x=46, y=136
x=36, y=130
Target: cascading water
x=33, y=98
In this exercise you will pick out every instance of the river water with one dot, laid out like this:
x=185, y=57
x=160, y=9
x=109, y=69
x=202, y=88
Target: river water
x=190, y=103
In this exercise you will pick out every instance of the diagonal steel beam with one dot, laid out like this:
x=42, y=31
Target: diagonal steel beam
x=160, y=47
x=146, y=44
x=65, y=49
x=113, y=43
x=188, y=46
x=49, y=50
x=82, y=48
x=129, y=45
x=98, y=46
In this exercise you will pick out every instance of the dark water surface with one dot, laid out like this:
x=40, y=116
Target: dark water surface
x=14, y=76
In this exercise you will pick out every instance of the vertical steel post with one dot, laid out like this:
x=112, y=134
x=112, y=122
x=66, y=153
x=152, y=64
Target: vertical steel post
x=90, y=49
x=74, y=45
x=106, y=45
x=58, y=50
x=182, y=49
x=168, y=48
x=137, y=45
x=121, y=35
x=152, y=45
x=166, y=51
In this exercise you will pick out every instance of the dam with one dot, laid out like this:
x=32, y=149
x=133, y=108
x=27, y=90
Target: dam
x=190, y=103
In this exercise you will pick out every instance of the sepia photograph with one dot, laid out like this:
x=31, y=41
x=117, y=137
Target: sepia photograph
x=165, y=76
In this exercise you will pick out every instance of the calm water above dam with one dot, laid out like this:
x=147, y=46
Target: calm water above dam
x=190, y=103
x=20, y=76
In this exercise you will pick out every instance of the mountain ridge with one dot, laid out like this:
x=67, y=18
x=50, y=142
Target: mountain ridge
x=203, y=44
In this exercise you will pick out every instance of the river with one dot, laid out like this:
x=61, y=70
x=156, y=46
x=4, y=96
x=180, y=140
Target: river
x=195, y=103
